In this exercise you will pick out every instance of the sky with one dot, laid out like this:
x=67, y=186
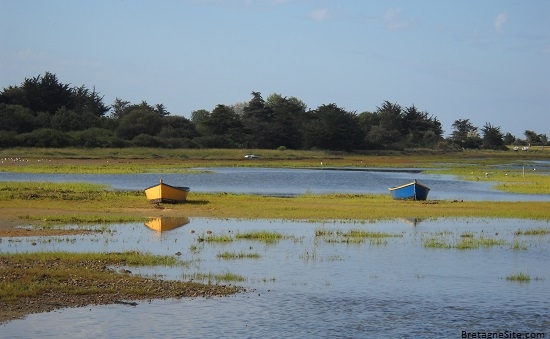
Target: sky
x=487, y=61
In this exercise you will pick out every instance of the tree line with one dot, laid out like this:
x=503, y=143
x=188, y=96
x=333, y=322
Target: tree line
x=44, y=112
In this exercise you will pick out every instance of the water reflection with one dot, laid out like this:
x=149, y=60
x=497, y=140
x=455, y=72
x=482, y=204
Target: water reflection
x=163, y=224
x=316, y=282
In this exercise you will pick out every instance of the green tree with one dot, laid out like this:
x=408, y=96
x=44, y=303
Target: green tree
x=465, y=134
x=119, y=107
x=532, y=138
x=45, y=137
x=139, y=121
x=223, y=121
x=177, y=127
x=46, y=94
x=383, y=129
x=332, y=128
x=67, y=120
x=509, y=139
x=415, y=126
x=257, y=121
x=16, y=118
x=288, y=119
x=493, y=137
x=85, y=101
x=200, y=118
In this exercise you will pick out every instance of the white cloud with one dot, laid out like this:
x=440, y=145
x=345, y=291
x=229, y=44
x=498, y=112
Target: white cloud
x=319, y=14
x=500, y=21
x=393, y=19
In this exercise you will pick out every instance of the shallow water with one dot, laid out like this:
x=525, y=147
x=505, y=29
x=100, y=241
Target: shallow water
x=290, y=182
x=308, y=286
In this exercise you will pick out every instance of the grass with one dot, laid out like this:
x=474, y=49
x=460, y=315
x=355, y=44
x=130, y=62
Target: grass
x=436, y=242
x=235, y=255
x=517, y=245
x=52, y=271
x=519, y=277
x=210, y=277
x=354, y=236
x=474, y=243
x=50, y=220
x=465, y=243
x=528, y=182
x=215, y=238
x=533, y=231
x=81, y=202
x=263, y=236
x=43, y=203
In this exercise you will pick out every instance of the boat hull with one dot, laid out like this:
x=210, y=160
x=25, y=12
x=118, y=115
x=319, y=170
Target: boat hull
x=164, y=193
x=410, y=191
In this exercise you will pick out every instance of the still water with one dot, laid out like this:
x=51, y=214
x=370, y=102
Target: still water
x=308, y=285
x=289, y=182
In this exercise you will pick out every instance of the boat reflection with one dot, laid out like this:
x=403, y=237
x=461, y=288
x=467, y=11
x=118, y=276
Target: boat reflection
x=162, y=224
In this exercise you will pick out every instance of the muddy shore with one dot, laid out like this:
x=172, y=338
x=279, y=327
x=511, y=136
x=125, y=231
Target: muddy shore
x=12, y=226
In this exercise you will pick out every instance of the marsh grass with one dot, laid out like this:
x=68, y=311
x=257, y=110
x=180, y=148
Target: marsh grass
x=474, y=243
x=235, y=255
x=49, y=221
x=378, y=242
x=210, y=277
x=528, y=182
x=215, y=238
x=91, y=201
x=354, y=236
x=436, y=242
x=518, y=245
x=464, y=243
x=533, y=231
x=263, y=236
x=519, y=277
x=67, y=192
x=52, y=271
x=357, y=233
x=467, y=235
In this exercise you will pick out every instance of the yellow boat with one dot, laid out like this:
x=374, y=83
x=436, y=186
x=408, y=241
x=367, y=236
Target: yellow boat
x=166, y=223
x=166, y=194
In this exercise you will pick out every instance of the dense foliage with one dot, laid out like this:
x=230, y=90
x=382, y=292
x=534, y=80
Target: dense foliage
x=43, y=112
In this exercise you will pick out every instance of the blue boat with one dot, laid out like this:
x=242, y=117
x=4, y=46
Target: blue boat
x=410, y=191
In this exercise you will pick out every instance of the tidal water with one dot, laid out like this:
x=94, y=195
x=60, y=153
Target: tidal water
x=290, y=182
x=307, y=285
x=316, y=283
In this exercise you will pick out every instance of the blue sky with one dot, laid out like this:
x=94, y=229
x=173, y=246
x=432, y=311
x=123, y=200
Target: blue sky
x=487, y=61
